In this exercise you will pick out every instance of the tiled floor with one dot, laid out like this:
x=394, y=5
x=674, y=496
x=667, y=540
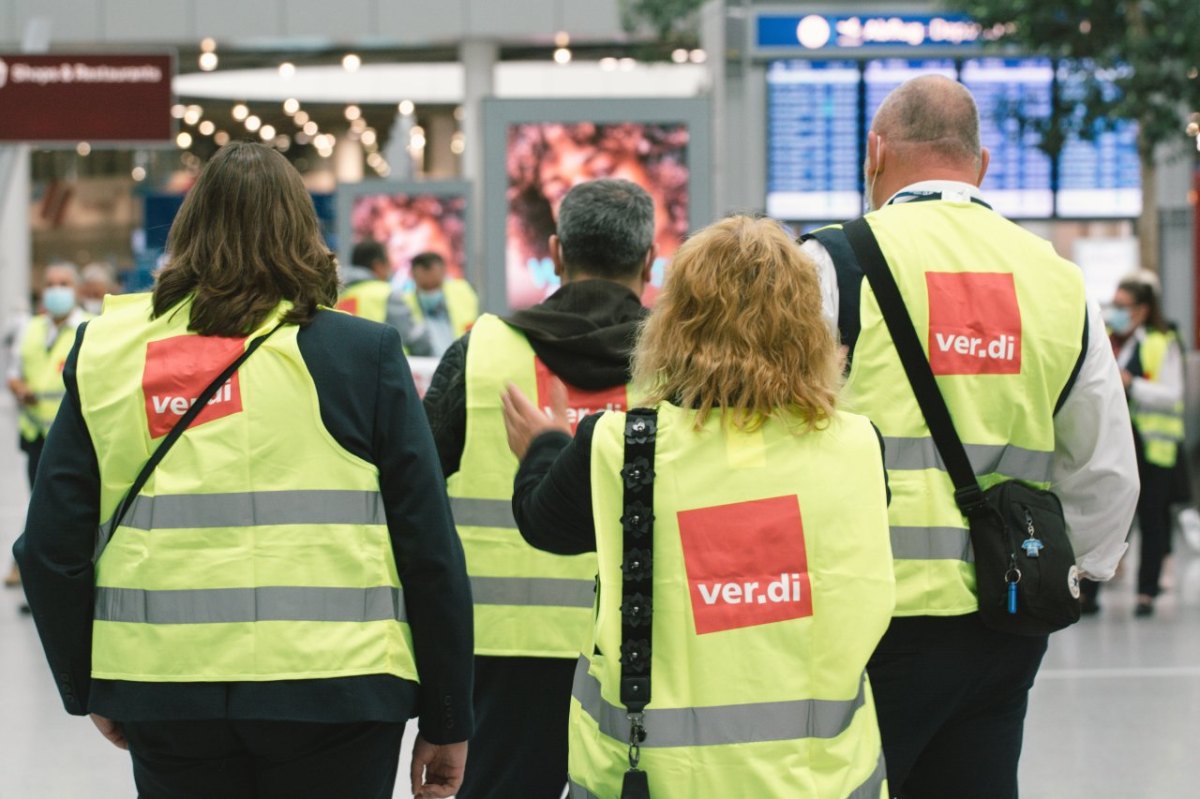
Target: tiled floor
x=1115, y=713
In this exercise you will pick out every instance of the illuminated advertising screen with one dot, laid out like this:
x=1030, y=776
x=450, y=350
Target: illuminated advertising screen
x=544, y=148
x=814, y=166
x=408, y=219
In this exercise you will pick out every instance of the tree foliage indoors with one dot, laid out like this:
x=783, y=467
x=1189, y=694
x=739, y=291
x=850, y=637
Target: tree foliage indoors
x=1116, y=60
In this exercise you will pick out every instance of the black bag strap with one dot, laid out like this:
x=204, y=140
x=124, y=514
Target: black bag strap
x=637, y=589
x=165, y=445
x=967, y=492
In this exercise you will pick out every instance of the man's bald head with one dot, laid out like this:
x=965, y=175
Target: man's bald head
x=933, y=117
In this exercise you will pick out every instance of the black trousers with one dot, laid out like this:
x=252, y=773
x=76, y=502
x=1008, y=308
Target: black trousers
x=33, y=456
x=263, y=759
x=520, y=746
x=1154, y=522
x=1154, y=526
x=951, y=697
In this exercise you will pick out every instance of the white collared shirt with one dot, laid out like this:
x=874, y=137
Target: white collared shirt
x=1095, y=470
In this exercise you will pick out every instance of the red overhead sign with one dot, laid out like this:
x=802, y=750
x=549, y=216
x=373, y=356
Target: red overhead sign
x=73, y=98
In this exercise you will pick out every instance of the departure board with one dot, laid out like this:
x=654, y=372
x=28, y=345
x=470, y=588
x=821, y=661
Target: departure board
x=1100, y=177
x=1012, y=94
x=813, y=165
x=819, y=112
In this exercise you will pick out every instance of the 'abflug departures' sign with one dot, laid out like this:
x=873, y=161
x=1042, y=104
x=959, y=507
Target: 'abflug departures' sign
x=96, y=98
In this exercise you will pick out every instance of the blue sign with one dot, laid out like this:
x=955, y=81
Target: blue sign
x=800, y=33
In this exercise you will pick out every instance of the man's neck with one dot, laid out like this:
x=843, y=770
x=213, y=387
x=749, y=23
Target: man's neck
x=633, y=284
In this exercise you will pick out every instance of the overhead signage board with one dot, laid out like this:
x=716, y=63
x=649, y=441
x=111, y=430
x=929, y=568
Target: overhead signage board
x=791, y=34
x=98, y=98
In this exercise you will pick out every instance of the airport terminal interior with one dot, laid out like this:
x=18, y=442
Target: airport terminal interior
x=456, y=127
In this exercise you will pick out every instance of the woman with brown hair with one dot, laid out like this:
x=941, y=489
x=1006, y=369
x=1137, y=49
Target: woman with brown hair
x=740, y=522
x=239, y=546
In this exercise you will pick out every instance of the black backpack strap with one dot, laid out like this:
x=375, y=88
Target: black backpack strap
x=637, y=590
x=165, y=445
x=849, y=282
x=967, y=492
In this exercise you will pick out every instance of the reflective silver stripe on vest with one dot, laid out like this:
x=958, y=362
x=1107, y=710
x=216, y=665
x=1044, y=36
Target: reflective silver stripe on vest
x=932, y=543
x=470, y=512
x=234, y=605
x=723, y=724
x=1008, y=460
x=873, y=787
x=50, y=395
x=1154, y=435
x=577, y=791
x=540, y=591
x=252, y=509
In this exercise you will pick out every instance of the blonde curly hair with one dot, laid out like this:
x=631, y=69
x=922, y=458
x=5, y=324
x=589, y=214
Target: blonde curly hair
x=738, y=327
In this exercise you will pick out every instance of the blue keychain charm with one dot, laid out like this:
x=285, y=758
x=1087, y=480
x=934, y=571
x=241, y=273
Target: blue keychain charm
x=1032, y=547
x=1012, y=577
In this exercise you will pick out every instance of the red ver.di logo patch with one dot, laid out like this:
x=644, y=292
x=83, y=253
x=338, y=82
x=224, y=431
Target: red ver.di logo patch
x=746, y=564
x=178, y=369
x=974, y=324
x=580, y=403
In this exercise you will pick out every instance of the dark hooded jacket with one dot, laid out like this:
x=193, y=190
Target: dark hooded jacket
x=584, y=333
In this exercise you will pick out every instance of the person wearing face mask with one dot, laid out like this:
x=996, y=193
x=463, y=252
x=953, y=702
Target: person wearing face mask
x=1151, y=360
x=95, y=283
x=35, y=375
x=1023, y=363
x=446, y=306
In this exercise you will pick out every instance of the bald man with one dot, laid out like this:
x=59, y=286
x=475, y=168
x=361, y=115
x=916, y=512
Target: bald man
x=1024, y=364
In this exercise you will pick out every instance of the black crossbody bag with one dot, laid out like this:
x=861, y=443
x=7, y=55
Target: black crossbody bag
x=637, y=586
x=1026, y=577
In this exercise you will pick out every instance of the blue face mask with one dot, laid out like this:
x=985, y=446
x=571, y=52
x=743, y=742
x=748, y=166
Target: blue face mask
x=1118, y=320
x=58, y=300
x=430, y=301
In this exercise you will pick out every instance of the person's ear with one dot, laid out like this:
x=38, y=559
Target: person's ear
x=648, y=267
x=556, y=255
x=985, y=158
x=876, y=154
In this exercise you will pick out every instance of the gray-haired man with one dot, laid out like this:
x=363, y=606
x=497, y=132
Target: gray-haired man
x=533, y=609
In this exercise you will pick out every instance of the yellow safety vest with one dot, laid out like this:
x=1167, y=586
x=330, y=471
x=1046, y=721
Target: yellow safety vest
x=1003, y=319
x=461, y=305
x=772, y=586
x=1161, y=431
x=41, y=369
x=259, y=548
x=528, y=603
x=366, y=299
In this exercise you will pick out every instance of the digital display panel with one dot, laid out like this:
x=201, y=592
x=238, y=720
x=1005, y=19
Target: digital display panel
x=408, y=219
x=1012, y=94
x=1100, y=176
x=814, y=170
x=544, y=160
x=813, y=166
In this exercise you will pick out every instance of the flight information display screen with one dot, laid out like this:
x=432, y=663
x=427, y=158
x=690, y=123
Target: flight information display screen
x=1100, y=175
x=819, y=113
x=1012, y=95
x=814, y=167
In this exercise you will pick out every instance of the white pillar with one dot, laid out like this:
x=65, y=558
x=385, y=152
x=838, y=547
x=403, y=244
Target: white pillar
x=348, y=160
x=15, y=193
x=712, y=40
x=479, y=61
